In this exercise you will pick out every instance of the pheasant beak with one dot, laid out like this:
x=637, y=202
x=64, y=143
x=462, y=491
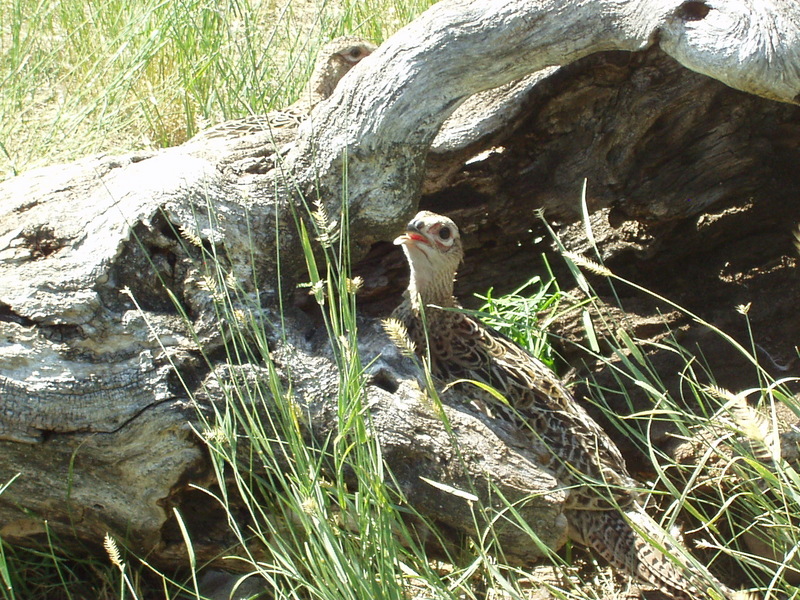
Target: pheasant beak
x=410, y=238
x=412, y=235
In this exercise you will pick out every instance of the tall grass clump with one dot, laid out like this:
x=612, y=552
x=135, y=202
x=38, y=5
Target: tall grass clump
x=329, y=523
x=322, y=520
x=78, y=78
x=736, y=478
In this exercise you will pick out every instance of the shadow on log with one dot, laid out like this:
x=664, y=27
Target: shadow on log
x=693, y=189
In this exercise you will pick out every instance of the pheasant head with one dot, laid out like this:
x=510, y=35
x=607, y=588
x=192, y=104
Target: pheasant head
x=334, y=60
x=433, y=248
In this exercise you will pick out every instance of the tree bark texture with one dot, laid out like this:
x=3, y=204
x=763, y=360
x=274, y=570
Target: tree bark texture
x=682, y=115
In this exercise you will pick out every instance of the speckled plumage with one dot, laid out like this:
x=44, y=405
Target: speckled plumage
x=333, y=62
x=566, y=439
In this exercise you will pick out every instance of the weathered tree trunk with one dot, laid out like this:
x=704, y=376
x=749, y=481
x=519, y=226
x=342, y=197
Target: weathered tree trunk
x=92, y=414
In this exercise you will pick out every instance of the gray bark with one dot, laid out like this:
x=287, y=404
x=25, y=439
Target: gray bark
x=91, y=412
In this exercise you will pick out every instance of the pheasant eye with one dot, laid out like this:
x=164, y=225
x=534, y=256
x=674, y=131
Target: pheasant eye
x=444, y=233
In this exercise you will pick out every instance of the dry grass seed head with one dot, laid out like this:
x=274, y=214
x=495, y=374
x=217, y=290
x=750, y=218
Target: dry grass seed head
x=398, y=333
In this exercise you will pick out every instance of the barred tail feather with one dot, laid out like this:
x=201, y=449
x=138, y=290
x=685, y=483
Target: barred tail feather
x=612, y=536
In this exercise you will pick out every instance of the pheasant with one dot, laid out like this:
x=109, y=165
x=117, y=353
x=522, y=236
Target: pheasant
x=602, y=500
x=334, y=60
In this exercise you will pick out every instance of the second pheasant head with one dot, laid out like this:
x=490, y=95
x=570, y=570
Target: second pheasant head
x=432, y=245
x=334, y=60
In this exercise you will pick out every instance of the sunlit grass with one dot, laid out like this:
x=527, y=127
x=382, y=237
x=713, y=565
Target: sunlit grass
x=78, y=78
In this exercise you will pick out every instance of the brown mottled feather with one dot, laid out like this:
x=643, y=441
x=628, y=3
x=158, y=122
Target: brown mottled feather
x=570, y=443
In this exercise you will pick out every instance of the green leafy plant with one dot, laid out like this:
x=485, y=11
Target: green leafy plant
x=525, y=314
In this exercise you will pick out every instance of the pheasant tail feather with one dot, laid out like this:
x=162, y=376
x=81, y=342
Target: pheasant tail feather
x=632, y=543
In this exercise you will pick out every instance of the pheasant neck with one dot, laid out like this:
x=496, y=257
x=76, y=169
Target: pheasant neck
x=316, y=90
x=432, y=288
x=327, y=73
